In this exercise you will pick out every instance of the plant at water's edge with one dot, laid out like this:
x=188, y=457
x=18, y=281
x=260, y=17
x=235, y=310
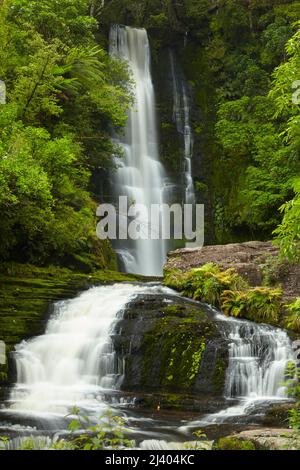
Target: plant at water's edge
x=205, y=284
x=292, y=374
x=108, y=434
x=227, y=290
x=173, y=278
x=201, y=442
x=264, y=304
x=260, y=304
x=294, y=419
x=292, y=321
x=3, y=441
x=233, y=303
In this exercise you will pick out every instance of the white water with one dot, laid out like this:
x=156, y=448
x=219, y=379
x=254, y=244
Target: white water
x=74, y=364
x=258, y=355
x=181, y=116
x=257, y=359
x=140, y=175
x=74, y=360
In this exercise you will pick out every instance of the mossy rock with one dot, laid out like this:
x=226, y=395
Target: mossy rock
x=171, y=346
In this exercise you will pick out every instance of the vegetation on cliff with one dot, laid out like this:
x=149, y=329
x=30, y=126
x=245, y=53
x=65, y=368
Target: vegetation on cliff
x=63, y=95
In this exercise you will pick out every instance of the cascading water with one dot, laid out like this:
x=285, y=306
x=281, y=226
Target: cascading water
x=258, y=355
x=74, y=363
x=140, y=175
x=74, y=360
x=257, y=359
x=181, y=116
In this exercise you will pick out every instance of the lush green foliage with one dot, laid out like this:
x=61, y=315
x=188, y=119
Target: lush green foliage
x=232, y=443
x=257, y=132
x=63, y=94
x=292, y=321
x=228, y=291
x=288, y=232
x=261, y=304
x=205, y=283
x=108, y=433
x=292, y=374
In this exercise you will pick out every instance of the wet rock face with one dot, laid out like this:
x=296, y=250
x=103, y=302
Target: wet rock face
x=171, y=345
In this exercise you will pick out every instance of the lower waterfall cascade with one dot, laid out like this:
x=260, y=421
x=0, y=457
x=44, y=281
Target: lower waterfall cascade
x=258, y=355
x=74, y=364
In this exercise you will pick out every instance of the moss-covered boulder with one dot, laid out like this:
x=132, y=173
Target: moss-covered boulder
x=171, y=345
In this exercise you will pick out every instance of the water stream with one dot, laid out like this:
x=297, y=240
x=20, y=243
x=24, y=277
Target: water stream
x=74, y=364
x=182, y=118
x=140, y=176
x=258, y=355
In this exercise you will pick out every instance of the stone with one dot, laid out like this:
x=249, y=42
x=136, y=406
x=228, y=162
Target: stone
x=172, y=345
x=271, y=438
x=249, y=259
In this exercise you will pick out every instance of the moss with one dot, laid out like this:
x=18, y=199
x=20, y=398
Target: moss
x=219, y=374
x=177, y=344
x=232, y=443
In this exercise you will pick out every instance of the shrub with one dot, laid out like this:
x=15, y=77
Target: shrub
x=205, y=284
x=227, y=290
x=293, y=319
x=234, y=303
x=261, y=304
x=294, y=419
x=264, y=304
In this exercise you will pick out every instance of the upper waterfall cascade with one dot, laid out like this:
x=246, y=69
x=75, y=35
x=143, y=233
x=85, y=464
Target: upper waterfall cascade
x=140, y=176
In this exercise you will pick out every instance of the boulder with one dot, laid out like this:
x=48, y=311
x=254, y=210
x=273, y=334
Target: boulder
x=171, y=345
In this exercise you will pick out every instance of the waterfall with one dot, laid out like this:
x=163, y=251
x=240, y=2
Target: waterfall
x=258, y=355
x=74, y=360
x=140, y=176
x=181, y=117
x=74, y=364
